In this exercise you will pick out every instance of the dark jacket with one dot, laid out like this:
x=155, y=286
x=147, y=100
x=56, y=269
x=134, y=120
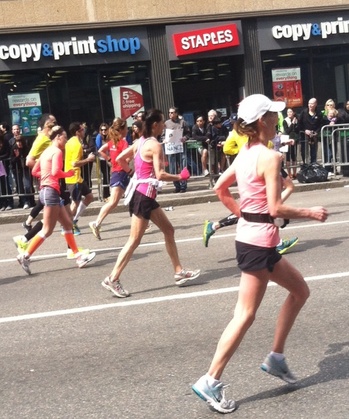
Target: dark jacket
x=198, y=135
x=18, y=161
x=312, y=123
x=216, y=133
x=291, y=129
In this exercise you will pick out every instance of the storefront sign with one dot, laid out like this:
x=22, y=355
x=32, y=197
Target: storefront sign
x=303, y=30
x=80, y=48
x=127, y=100
x=56, y=50
x=204, y=40
x=26, y=111
x=287, y=86
x=207, y=39
x=306, y=30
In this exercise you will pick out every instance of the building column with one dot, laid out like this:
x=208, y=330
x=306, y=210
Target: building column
x=253, y=71
x=160, y=73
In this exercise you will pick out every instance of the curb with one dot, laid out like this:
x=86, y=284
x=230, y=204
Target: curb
x=198, y=193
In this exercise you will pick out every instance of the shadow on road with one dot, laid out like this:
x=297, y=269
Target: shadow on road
x=331, y=368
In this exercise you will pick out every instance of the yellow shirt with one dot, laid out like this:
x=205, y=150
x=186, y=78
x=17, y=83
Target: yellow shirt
x=40, y=144
x=270, y=144
x=234, y=143
x=73, y=153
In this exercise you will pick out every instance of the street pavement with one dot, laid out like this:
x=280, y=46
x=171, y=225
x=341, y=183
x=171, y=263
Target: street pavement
x=69, y=349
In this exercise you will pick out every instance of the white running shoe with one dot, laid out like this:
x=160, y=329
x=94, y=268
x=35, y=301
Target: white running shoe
x=70, y=253
x=115, y=287
x=149, y=226
x=186, y=275
x=95, y=230
x=83, y=260
x=278, y=369
x=24, y=262
x=214, y=395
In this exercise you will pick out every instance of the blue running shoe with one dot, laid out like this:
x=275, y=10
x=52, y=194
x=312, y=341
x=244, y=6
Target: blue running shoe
x=208, y=232
x=76, y=229
x=214, y=396
x=278, y=368
x=286, y=244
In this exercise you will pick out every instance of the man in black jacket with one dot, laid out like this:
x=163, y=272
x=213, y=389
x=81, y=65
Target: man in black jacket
x=309, y=124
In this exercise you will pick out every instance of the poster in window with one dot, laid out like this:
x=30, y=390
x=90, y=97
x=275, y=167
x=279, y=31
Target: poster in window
x=25, y=111
x=127, y=100
x=287, y=86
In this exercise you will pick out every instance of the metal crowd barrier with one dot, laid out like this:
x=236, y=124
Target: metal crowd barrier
x=192, y=149
x=17, y=183
x=335, y=147
x=20, y=183
x=191, y=158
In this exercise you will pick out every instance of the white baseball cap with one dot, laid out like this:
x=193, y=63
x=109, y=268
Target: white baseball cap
x=253, y=107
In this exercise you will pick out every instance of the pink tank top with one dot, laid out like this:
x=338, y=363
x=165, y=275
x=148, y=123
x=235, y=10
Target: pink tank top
x=144, y=170
x=253, y=199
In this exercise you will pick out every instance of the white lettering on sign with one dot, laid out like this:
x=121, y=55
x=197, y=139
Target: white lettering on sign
x=305, y=31
x=214, y=38
x=23, y=51
x=59, y=49
x=73, y=47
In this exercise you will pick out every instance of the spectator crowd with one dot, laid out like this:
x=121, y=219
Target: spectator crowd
x=206, y=148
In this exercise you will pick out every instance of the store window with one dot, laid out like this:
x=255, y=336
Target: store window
x=200, y=85
x=324, y=71
x=72, y=94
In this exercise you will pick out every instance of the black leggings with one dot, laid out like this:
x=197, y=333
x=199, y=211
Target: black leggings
x=228, y=221
x=37, y=209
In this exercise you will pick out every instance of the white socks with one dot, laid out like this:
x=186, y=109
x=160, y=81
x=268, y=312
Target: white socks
x=277, y=356
x=211, y=381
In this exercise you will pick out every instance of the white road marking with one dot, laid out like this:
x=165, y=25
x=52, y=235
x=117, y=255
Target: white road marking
x=130, y=303
x=127, y=303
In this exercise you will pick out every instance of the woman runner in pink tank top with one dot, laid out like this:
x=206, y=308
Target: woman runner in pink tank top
x=257, y=172
x=149, y=170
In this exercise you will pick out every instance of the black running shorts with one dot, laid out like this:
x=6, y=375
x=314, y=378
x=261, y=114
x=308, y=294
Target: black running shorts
x=255, y=258
x=142, y=205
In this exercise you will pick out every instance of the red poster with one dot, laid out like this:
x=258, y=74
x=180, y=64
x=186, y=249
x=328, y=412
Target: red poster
x=127, y=100
x=287, y=86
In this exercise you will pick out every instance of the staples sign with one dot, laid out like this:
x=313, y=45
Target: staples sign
x=207, y=39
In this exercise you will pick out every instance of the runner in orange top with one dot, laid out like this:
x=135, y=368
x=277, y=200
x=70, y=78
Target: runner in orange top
x=49, y=169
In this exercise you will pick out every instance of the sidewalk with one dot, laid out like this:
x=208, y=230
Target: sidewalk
x=198, y=192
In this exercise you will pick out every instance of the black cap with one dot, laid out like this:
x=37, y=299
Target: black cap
x=233, y=117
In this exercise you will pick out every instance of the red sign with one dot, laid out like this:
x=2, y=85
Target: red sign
x=287, y=86
x=207, y=39
x=131, y=101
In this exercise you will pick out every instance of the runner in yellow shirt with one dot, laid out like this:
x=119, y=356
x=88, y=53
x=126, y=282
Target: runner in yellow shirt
x=80, y=192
